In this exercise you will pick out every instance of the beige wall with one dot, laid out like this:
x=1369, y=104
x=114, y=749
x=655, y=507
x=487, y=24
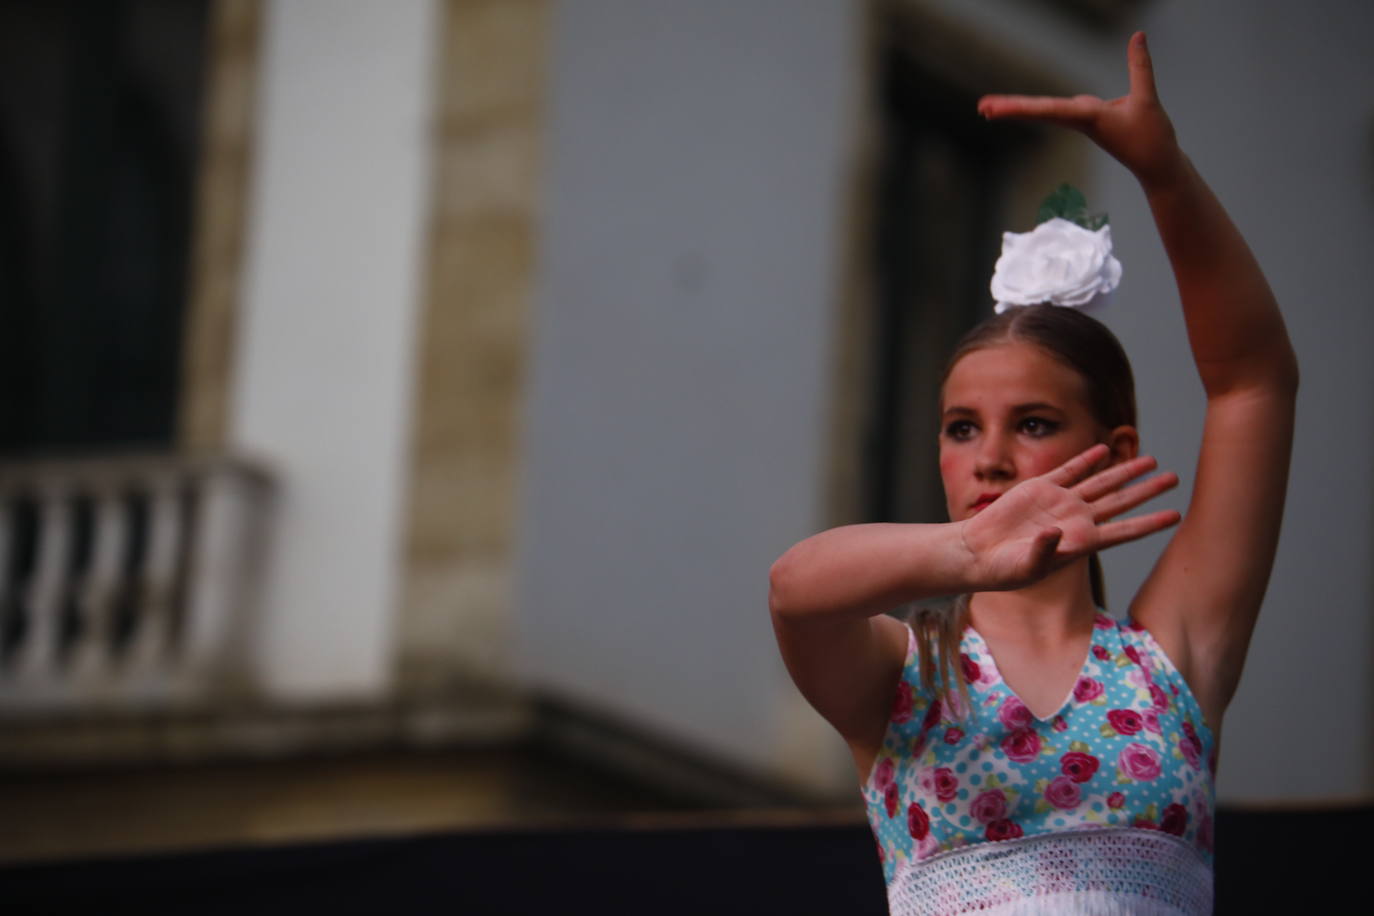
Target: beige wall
x=220, y=215
x=455, y=603
x=456, y=607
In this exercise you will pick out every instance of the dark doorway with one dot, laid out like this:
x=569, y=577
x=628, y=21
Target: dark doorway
x=99, y=127
x=944, y=177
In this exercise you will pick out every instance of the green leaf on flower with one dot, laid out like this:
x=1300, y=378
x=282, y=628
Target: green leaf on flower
x=1067, y=202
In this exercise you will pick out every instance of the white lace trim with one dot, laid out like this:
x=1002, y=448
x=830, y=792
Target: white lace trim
x=1099, y=871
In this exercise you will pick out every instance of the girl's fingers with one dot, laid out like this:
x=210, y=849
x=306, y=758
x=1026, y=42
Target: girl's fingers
x=1141, y=68
x=1077, y=111
x=1099, y=485
x=1125, y=500
x=1077, y=467
x=1136, y=527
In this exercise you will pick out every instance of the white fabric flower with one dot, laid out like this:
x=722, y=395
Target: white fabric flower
x=1058, y=262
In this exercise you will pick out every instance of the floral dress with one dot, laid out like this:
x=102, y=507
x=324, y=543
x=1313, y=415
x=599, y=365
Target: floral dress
x=1105, y=807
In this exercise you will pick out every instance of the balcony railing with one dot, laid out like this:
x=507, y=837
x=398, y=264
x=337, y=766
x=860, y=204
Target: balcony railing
x=127, y=582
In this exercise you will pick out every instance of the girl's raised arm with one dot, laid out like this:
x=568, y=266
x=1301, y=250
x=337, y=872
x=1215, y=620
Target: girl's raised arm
x=1202, y=598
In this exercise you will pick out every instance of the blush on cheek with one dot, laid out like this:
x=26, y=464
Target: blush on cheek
x=948, y=472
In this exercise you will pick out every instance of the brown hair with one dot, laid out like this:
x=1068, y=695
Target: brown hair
x=1085, y=345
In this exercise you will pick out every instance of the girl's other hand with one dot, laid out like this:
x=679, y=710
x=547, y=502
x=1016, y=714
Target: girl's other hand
x=1043, y=523
x=1133, y=128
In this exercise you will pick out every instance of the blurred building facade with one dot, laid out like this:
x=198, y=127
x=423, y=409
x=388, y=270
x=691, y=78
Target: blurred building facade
x=519, y=337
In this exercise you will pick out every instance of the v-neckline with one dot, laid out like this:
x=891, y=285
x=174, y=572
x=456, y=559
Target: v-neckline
x=1068, y=696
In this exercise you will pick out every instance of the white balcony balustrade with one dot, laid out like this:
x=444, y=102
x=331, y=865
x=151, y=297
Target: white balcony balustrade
x=127, y=583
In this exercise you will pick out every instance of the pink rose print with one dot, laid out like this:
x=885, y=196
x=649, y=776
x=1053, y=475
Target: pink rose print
x=1125, y=721
x=1101, y=654
x=1191, y=733
x=1003, y=830
x=891, y=799
x=989, y=806
x=971, y=670
x=918, y=746
x=932, y=715
x=1022, y=745
x=883, y=775
x=953, y=735
x=1190, y=753
x=1135, y=627
x=1103, y=622
x=1139, y=762
x=1133, y=654
x=1116, y=801
x=1151, y=719
x=1078, y=766
x=946, y=784
x=1087, y=689
x=1144, y=823
x=1014, y=714
x=1060, y=725
x=917, y=822
x=1063, y=792
x=1175, y=819
x=1160, y=700
x=901, y=703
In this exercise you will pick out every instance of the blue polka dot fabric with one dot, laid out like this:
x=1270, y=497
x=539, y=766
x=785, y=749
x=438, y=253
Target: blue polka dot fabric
x=1128, y=748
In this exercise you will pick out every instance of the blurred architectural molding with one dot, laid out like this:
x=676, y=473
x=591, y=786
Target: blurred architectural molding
x=220, y=220
x=472, y=347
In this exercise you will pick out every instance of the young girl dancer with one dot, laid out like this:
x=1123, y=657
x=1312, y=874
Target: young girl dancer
x=1039, y=757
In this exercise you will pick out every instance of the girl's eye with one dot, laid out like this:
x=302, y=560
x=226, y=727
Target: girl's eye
x=959, y=430
x=1038, y=426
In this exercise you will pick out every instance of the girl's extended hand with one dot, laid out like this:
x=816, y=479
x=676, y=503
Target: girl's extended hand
x=1134, y=128
x=1043, y=523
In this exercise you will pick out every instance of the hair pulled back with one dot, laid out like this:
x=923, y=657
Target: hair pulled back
x=1086, y=346
x=1079, y=341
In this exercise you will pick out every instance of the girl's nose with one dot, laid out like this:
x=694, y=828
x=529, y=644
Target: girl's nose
x=994, y=460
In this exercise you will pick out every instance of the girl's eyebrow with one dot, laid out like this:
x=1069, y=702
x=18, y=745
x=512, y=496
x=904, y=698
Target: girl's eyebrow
x=960, y=411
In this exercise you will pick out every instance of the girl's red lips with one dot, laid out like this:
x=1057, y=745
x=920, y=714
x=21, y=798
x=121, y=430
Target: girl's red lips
x=984, y=500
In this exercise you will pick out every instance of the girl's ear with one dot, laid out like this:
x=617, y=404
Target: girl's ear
x=1124, y=442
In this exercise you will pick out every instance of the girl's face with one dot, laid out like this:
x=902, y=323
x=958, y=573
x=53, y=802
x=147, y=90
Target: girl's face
x=1010, y=412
